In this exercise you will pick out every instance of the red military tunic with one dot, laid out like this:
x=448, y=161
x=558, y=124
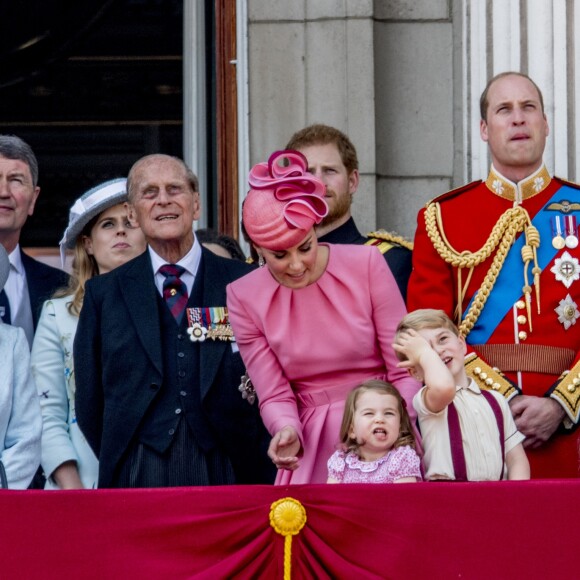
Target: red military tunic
x=537, y=352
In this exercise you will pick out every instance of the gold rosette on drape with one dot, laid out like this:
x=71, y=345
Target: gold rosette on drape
x=287, y=517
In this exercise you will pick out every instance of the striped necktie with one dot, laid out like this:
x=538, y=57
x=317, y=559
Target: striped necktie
x=174, y=290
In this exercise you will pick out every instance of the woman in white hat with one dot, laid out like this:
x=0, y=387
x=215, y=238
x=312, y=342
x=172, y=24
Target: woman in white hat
x=102, y=237
x=20, y=421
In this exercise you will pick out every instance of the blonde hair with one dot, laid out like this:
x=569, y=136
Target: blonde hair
x=424, y=318
x=84, y=267
x=406, y=432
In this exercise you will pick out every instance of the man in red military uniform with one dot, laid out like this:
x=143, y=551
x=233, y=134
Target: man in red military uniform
x=502, y=257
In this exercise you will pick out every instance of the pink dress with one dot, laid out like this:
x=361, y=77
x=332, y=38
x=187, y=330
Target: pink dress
x=306, y=349
x=396, y=464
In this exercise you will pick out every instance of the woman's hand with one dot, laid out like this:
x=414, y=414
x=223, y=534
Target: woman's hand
x=284, y=448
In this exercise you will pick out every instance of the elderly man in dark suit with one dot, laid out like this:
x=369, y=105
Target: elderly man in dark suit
x=30, y=282
x=157, y=370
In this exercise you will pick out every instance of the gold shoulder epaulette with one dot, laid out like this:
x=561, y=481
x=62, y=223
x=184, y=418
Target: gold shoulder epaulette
x=567, y=393
x=566, y=182
x=454, y=192
x=488, y=377
x=384, y=240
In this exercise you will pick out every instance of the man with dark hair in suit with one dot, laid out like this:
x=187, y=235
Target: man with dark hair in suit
x=157, y=368
x=30, y=282
x=332, y=158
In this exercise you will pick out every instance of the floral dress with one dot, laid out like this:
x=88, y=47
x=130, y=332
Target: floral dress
x=396, y=464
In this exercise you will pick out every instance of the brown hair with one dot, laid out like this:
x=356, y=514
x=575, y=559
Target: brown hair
x=323, y=135
x=406, y=432
x=424, y=318
x=484, y=102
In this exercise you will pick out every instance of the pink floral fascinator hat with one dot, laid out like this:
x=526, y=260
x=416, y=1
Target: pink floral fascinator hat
x=284, y=201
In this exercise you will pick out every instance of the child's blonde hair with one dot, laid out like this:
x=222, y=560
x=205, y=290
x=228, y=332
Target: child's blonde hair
x=424, y=318
x=406, y=432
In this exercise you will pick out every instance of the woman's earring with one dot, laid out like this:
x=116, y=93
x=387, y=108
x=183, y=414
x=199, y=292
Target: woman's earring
x=261, y=261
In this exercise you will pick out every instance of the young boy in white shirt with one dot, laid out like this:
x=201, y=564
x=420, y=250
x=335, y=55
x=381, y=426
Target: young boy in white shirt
x=468, y=434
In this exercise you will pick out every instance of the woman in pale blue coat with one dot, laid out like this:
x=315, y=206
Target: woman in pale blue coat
x=102, y=237
x=20, y=420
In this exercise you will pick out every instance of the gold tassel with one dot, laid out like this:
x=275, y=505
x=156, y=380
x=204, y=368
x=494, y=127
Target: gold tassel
x=287, y=517
x=533, y=238
x=527, y=257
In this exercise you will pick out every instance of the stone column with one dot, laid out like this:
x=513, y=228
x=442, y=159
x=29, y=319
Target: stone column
x=537, y=37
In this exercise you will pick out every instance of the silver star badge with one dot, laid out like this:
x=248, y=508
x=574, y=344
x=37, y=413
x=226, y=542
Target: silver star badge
x=567, y=312
x=566, y=269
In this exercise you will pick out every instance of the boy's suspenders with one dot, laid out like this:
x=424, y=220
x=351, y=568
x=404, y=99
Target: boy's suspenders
x=457, y=454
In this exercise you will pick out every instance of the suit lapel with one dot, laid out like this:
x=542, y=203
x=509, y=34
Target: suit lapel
x=214, y=294
x=36, y=283
x=31, y=278
x=138, y=290
x=42, y=281
x=139, y=293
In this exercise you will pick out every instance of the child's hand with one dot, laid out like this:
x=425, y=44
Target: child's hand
x=411, y=344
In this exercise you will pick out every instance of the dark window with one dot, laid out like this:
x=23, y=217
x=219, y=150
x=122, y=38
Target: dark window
x=91, y=86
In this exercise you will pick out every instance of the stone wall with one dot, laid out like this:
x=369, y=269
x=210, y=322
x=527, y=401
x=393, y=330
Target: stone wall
x=313, y=62
x=382, y=72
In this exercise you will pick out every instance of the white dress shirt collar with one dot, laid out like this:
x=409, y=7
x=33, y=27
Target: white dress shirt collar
x=190, y=262
x=471, y=385
x=15, y=258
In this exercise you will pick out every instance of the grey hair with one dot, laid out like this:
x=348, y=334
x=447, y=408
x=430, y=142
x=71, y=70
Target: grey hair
x=13, y=147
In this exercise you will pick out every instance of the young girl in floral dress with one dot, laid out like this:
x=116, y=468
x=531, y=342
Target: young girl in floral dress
x=378, y=441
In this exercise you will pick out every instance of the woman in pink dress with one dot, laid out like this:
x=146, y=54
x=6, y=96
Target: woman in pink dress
x=313, y=323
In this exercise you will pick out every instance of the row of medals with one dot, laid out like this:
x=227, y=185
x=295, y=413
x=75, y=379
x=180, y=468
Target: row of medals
x=570, y=239
x=565, y=235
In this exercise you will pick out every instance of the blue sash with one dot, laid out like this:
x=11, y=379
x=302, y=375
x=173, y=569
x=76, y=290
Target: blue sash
x=510, y=281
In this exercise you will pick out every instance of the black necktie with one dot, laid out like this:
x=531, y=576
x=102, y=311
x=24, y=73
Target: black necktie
x=4, y=308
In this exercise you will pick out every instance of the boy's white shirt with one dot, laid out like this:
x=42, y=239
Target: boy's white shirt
x=479, y=432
